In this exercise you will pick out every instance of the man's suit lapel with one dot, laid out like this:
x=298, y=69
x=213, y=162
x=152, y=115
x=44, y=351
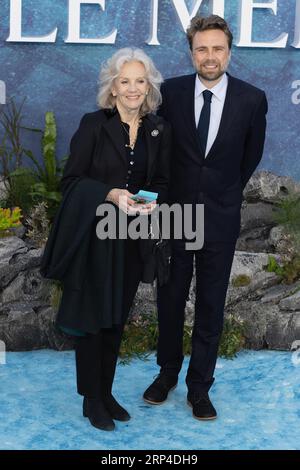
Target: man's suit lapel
x=228, y=115
x=114, y=130
x=188, y=110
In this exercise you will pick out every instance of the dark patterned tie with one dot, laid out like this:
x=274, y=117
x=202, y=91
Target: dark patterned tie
x=203, y=124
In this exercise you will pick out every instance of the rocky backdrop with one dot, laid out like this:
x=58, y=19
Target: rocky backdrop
x=269, y=309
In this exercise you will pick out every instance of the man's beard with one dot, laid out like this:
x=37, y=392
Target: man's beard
x=213, y=75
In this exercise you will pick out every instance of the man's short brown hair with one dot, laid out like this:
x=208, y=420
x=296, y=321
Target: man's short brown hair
x=201, y=23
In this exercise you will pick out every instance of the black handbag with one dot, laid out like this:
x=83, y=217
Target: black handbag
x=162, y=255
x=156, y=256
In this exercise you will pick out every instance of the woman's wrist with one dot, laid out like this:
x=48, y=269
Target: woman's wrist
x=111, y=196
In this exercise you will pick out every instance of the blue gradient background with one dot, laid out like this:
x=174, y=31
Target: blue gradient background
x=63, y=77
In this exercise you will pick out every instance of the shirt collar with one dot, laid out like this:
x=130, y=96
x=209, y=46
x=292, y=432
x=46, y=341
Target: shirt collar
x=219, y=90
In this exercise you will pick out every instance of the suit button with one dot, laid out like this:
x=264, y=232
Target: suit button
x=129, y=172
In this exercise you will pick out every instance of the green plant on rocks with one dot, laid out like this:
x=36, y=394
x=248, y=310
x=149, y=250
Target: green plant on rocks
x=141, y=335
x=48, y=174
x=287, y=214
x=289, y=271
x=241, y=280
x=233, y=337
x=9, y=219
x=38, y=224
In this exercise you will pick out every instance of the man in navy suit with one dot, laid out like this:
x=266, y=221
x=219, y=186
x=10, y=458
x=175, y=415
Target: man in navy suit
x=219, y=125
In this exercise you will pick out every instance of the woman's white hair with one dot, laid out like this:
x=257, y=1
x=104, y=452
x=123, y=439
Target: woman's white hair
x=111, y=70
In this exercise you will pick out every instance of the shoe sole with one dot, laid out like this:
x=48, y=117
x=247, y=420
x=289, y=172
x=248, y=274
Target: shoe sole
x=197, y=417
x=114, y=418
x=98, y=427
x=121, y=420
x=85, y=415
x=159, y=402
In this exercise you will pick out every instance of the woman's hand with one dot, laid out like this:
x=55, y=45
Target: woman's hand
x=123, y=199
x=145, y=208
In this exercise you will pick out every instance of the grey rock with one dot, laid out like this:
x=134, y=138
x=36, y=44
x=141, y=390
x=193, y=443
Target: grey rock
x=266, y=326
x=249, y=263
x=18, y=231
x=291, y=303
x=255, y=240
x=19, y=328
x=276, y=235
x=15, y=257
x=257, y=220
x=268, y=187
x=146, y=292
x=52, y=336
x=27, y=286
x=279, y=241
x=27, y=326
x=255, y=290
x=262, y=281
x=257, y=215
x=145, y=301
x=276, y=293
x=283, y=330
x=9, y=247
x=190, y=311
x=255, y=318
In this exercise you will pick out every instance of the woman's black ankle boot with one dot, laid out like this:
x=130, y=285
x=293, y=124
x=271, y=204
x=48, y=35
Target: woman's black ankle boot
x=95, y=410
x=115, y=410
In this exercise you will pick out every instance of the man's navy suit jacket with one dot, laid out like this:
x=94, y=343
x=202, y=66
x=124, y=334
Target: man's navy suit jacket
x=218, y=180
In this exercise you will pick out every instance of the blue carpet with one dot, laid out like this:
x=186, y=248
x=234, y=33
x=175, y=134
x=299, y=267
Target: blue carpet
x=257, y=396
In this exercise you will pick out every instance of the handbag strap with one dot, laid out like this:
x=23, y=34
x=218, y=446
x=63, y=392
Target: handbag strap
x=151, y=234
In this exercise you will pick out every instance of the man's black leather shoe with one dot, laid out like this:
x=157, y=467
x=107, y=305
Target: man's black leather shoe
x=115, y=410
x=94, y=409
x=203, y=408
x=158, y=391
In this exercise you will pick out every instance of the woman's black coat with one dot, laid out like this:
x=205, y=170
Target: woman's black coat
x=98, y=151
x=90, y=269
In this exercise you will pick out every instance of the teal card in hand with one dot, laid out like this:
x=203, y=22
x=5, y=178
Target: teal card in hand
x=144, y=197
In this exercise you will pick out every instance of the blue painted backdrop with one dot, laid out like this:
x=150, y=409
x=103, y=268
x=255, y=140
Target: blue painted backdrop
x=63, y=77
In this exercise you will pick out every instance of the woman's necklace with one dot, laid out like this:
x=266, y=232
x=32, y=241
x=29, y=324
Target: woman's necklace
x=136, y=127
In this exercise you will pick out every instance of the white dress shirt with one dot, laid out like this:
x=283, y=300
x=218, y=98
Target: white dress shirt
x=217, y=104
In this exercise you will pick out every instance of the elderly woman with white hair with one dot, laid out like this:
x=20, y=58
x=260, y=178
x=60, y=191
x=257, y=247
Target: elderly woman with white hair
x=125, y=146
